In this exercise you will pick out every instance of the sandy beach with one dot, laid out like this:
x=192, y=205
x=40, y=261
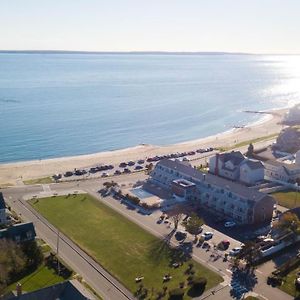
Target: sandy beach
x=12, y=173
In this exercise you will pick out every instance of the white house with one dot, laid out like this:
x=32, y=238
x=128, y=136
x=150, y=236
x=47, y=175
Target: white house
x=3, y=216
x=235, y=166
x=251, y=171
x=280, y=171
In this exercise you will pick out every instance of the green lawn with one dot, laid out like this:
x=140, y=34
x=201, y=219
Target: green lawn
x=288, y=199
x=120, y=246
x=44, y=180
x=40, y=278
x=288, y=285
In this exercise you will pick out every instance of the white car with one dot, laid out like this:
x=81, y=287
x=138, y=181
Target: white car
x=229, y=224
x=235, y=251
x=207, y=235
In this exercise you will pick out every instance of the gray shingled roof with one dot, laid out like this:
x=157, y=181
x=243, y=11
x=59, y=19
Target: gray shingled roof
x=2, y=202
x=62, y=291
x=236, y=157
x=234, y=187
x=287, y=167
x=254, y=164
x=20, y=230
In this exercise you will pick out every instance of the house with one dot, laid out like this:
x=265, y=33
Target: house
x=251, y=171
x=3, y=216
x=19, y=232
x=68, y=290
x=226, y=164
x=281, y=172
x=223, y=197
x=235, y=166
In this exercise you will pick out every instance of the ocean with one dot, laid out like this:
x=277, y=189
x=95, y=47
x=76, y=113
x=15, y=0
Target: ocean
x=55, y=105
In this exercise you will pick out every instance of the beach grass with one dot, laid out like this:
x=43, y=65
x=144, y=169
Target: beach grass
x=246, y=143
x=44, y=180
x=288, y=199
x=40, y=278
x=119, y=245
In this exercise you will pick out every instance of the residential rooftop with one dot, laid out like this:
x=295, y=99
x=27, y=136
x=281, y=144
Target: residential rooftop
x=193, y=173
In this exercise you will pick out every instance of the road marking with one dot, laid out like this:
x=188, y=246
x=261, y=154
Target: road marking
x=260, y=272
x=229, y=271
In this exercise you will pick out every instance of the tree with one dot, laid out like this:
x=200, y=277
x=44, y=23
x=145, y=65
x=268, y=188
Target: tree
x=289, y=222
x=250, y=252
x=12, y=261
x=193, y=224
x=149, y=168
x=33, y=253
x=250, y=150
x=176, y=214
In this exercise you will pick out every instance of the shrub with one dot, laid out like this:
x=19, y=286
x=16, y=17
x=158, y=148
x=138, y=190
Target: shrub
x=176, y=294
x=199, y=283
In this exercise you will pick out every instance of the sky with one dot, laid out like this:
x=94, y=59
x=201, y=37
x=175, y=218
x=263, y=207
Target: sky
x=251, y=26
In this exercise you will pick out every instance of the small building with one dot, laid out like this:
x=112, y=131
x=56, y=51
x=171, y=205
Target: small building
x=252, y=171
x=19, y=232
x=222, y=197
x=3, y=215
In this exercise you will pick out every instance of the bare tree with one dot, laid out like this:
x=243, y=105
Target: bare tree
x=176, y=214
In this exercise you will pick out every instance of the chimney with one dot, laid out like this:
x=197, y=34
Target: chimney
x=19, y=289
x=217, y=164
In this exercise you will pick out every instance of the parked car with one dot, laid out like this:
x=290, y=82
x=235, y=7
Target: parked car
x=126, y=170
x=93, y=170
x=122, y=165
x=138, y=168
x=235, y=251
x=131, y=163
x=68, y=174
x=224, y=245
x=207, y=235
x=140, y=161
x=104, y=175
x=57, y=176
x=229, y=224
x=118, y=172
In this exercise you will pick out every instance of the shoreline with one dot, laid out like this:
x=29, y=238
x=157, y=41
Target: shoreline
x=11, y=173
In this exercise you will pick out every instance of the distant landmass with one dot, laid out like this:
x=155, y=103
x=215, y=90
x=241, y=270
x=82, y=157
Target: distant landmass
x=122, y=52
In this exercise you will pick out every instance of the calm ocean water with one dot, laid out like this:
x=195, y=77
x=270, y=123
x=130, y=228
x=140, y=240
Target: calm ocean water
x=54, y=105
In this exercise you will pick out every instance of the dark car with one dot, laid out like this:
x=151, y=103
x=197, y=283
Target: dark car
x=131, y=163
x=68, y=174
x=138, y=168
x=57, y=176
x=140, y=161
x=110, y=167
x=126, y=170
x=78, y=172
x=122, y=165
x=93, y=170
x=118, y=172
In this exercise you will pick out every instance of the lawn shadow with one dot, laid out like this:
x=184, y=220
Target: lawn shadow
x=160, y=248
x=182, y=253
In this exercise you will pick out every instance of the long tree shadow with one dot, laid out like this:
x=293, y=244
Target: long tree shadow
x=160, y=248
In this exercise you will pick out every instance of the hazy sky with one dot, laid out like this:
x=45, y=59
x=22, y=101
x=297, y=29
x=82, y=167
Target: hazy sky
x=259, y=26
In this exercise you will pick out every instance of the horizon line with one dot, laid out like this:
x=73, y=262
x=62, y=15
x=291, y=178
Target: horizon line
x=140, y=52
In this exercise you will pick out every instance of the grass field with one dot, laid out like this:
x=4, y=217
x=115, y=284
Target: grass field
x=287, y=199
x=288, y=285
x=120, y=246
x=44, y=180
x=40, y=278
